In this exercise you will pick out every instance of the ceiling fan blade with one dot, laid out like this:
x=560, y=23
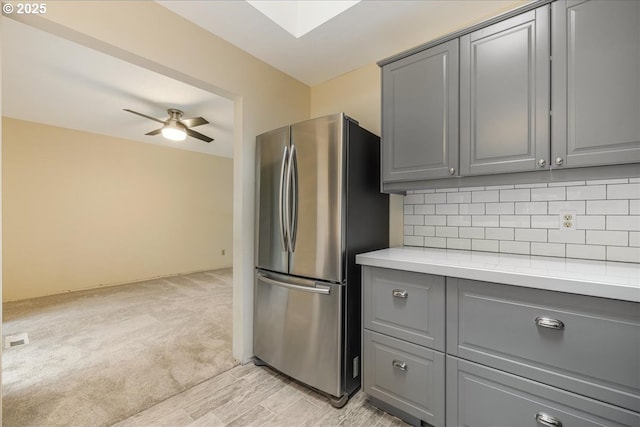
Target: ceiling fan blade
x=154, y=132
x=198, y=135
x=196, y=121
x=144, y=115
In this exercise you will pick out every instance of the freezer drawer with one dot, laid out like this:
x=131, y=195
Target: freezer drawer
x=298, y=329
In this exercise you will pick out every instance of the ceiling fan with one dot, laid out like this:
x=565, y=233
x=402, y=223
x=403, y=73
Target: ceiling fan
x=175, y=127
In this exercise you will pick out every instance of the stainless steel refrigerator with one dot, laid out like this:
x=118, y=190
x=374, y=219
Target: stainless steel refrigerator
x=318, y=204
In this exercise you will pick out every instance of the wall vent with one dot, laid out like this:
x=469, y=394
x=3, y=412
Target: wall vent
x=16, y=340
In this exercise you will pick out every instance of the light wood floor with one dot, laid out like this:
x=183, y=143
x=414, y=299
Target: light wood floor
x=257, y=396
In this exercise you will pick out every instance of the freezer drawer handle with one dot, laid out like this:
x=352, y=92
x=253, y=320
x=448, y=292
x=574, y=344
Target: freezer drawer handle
x=545, y=322
x=324, y=290
x=399, y=365
x=400, y=293
x=547, y=420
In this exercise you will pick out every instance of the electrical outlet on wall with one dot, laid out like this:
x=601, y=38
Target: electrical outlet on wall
x=223, y=251
x=567, y=220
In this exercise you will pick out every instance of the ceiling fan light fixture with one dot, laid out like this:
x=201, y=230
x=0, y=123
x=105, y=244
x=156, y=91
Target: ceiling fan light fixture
x=174, y=132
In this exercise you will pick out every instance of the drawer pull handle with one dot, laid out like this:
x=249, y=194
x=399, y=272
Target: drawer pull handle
x=547, y=420
x=546, y=322
x=400, y=365
x=400, y=293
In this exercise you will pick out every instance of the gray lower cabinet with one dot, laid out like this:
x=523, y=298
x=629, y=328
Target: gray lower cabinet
x=420, y=115
x=587, y=345
x=403, y=316
x=479, y=396
x=404, y=375
x=596, y=82
x=504, y=96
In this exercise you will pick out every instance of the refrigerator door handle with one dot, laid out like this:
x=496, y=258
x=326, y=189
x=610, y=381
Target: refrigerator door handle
x=284, y=227
x=293, y=231
x=325, y=290
x=287, y=200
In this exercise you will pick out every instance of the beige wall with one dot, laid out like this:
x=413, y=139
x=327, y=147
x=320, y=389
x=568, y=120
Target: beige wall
x=83, y=210
x=358, y=95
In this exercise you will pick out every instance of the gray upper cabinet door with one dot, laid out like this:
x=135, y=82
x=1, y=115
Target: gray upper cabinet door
x=504, y=96
x=596, y=83
x=420, y=115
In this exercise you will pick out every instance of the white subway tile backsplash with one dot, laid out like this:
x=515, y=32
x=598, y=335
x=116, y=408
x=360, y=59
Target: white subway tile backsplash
x=499, y=233
x=604, y=207
x=485, y=245
x=587, y=252
x=590, y=222
x=608, y=181
x=613, y=238
x=447, y=231
x=513, y=247
x=548, y=249
x=544, y=194
x=424, y=230
x=545, y=221
x=520, y=195
x=620, y=222
x=435, y=198
x=623, y=191
x=589, y=192
x=575, y=206
x=517, y=221
x=414, y=220
x=485, y=220
x=414, y=241
x=524, y=219
x=446, y=209
x=435, y=242
x=459, y=220
x=435, y=220
x=485, y=196
x=531, y=208
x=531, y=234
x=461, y=197
x=424, y=209
x=471, y=232
x=506, y=208
x=413, y=199
x=618, y=253
x=459, y=243
x=472, y=208
x=562, y=236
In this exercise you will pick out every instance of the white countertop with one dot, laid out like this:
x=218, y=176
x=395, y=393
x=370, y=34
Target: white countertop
x=617, y=280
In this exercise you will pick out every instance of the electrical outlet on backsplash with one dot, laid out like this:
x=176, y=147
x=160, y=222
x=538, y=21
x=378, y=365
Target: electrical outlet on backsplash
x=598, y=219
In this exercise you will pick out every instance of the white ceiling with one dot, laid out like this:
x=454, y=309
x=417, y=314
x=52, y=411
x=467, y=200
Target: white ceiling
x=365, y=33
x=51, y=80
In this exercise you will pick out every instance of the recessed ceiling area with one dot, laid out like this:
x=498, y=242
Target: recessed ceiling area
x=50, y=80
x=361, y=35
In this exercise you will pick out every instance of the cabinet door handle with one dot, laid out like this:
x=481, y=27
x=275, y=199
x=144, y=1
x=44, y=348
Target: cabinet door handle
x=546, y=322
x=400, y=293
x=399, y=365
x=547, y=420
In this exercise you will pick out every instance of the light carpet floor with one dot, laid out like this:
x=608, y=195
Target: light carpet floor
x=97, y=357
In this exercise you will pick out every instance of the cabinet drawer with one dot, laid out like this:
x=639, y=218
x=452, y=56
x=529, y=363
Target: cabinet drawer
x=483, y=397
x=405, y=305
x=594, y=351
x=404, y=375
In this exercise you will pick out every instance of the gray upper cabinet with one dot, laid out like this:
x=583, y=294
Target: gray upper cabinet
x=504, y=96
x=420, y=115
x=596, y=82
